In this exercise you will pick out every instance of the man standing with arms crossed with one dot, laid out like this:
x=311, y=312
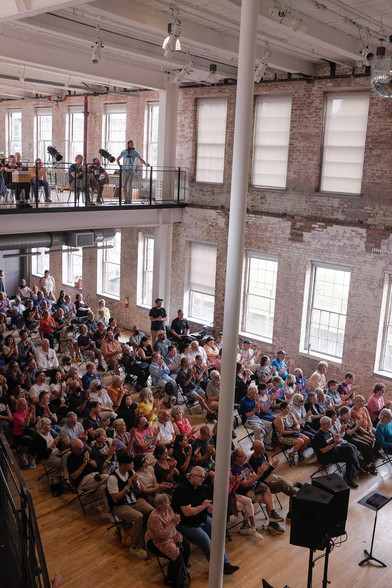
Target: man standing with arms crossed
x=158, y=316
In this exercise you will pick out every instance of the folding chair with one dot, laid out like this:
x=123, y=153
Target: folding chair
x=262, y=507
x=186, y=400
x=81, y=494
x=249, y=432
x=49, y=471
x=159, y=556
x=339, y=468
x=117, y=522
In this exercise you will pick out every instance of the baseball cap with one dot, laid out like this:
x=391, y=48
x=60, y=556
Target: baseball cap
x=124, y=458
x=281, y=352
x=220, y=334
x=209, y=339
x=248, y=341
x=158, y=299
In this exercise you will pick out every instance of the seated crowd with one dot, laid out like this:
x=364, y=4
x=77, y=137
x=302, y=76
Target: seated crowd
x=146, y=454
x=20, y=178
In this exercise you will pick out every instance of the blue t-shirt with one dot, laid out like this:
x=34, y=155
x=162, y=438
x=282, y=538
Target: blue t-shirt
x=129, y=157
x=246, y=405
x=279, y=366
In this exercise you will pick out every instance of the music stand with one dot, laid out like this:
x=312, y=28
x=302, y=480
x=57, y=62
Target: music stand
x=375, y=501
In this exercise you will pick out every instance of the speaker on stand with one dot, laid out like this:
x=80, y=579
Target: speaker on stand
x=319, y=512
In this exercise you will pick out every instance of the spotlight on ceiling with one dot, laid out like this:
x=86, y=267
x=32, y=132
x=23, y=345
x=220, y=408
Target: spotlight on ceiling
x=284, y=16
x=184, y=72
x=366, y=53
x=261, y=65
x=96, y=47
x=172, y=41
x=212, y=77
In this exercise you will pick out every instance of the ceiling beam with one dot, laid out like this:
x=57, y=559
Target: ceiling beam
x=72, y=62
x=16, y=9
x=316, y=33
x=202, y=39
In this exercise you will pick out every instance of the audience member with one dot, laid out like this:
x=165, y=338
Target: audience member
x=191, y=501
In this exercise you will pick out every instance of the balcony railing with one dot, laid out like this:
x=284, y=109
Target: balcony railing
x=151, y=186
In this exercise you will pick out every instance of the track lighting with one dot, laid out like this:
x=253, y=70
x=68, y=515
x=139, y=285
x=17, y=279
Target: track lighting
x=212, y=77
x=172, y=41
x=284, y=16
x=261, y=66
x=96, y=47
x=184, y=72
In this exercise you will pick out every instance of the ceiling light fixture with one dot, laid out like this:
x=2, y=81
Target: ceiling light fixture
x=212, y=77
x=184, y=72
x=261, y=65
x=284, y=16
x=172, y=41
x=96, y=46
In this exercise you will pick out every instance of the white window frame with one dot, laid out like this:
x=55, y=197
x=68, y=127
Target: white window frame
x=42, y=138
x=114, y=141
x=14, y=143
x=345, y=126
x=74, y=146
x=271, y=141
x=71, y=261
x=39, y=263
x=151, y=132
x=145, y=270
x=202, y=276
x=109, y=264
x=383, y=365
x=259, y=291
x=317, y=316
x=211, y=139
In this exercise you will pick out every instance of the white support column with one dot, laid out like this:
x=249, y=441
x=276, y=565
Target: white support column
x=162, y=263
x=239, y=189
x=167, y=128
x=167, y=141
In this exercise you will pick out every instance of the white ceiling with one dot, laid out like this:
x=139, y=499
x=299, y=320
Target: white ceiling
x=45, y=45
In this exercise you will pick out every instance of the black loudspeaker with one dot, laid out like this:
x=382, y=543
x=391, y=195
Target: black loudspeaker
x=336, y=486
x=310, y=517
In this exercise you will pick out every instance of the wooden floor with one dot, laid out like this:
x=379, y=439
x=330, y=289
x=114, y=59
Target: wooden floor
x=88, y=555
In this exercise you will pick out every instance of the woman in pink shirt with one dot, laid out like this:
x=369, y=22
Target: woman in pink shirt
x=376, y=401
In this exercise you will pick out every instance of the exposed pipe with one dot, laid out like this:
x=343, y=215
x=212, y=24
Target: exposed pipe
x=85, y=111
x=49, y=239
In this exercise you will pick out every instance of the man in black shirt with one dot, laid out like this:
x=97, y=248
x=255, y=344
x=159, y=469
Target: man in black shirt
x=190, y=500
x=82, y=470
x=180, y=330
x=330, y=449
x=158, y=316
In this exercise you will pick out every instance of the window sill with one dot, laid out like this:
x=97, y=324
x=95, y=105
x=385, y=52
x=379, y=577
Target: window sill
x=254, y=338
x=197, y=321
x=382, y=374
x=106, y=295
x=269, y=188
x=144, y=306
x=71, y=286
x=211, y=184
x=337, y=195
x=322, y=356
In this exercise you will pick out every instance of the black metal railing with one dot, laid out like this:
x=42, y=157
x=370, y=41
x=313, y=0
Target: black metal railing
x=22, y=561
x=56, y=187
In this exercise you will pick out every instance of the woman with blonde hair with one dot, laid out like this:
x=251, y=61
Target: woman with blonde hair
x=46, y=444
x=148, y=405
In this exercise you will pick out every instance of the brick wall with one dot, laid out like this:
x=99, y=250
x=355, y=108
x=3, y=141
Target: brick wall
x=296, y=225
